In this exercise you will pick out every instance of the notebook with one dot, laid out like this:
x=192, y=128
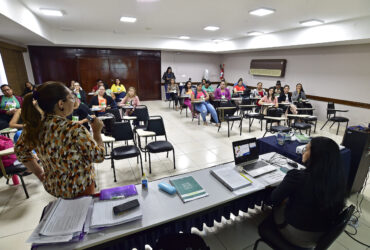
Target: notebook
x=103, y=216
x=118, y=192
x=230, y=178
x=188, y=189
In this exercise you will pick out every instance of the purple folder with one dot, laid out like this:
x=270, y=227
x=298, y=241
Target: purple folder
x=118, y=192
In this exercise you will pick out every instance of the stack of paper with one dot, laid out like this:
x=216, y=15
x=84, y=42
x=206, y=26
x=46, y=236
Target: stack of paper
x=230, y=177
x=188, y=189
x=64, y=221
x=103, y=215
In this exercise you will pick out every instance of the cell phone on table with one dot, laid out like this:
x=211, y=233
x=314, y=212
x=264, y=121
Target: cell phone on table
x=90, y=118
x=117, y=210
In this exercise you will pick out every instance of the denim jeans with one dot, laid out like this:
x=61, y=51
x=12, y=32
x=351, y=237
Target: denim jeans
x=204, y=108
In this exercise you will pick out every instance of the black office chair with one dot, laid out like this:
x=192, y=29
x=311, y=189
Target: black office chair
x=274, y=112
x=19, y=170
x=272, y=237
x=249, y=114
x=226, y=112
x=122, y=132
x=181, y=241
x=331, y=116
x=301, y=126
x=156, y=125
x=116, y=113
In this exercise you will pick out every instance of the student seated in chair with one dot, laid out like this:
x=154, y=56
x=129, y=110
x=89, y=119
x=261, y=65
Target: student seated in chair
x=278, y=89
x=207, y=86
x=286, y=97
x=204, y=107
x=187, y=91
x=222, y=93
x=131, y=99
x=307, y=202
x=269, y=98
x=239, y=87
x=103, y=101
x=299, y=94
x=174, y=91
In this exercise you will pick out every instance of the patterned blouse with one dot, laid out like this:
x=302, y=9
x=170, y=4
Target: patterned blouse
x=66, y=152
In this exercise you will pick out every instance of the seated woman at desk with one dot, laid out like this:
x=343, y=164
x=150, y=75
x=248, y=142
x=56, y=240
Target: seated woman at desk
x=118, y=89
x=278, y=89
x=66, y=149
x=286, y=97
x=269, y=98
x=298, y=94
x=79, y=92
x=80, y=113
x=131, y=99
x=204, y=107
x=239, y=87
x=187, y=91
x=259, y=91
x=222, y=93
x=208, y=88
x=306, y=202
x=174, y=91
x=102, y=101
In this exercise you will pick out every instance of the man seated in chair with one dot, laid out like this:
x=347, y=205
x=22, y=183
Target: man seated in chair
x=307, y=202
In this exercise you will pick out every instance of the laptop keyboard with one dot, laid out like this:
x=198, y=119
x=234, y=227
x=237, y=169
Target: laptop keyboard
x=255, y=165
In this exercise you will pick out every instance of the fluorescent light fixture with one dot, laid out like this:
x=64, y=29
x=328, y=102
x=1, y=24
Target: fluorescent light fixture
x=311, y=22
x=255, y=33
x=50, y=12
x=127, y=19
x=262, y=12
x=211, y=28
x=217, y=40
x=184, y=37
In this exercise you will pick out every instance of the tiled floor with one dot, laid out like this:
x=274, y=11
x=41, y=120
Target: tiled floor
x=196, y=147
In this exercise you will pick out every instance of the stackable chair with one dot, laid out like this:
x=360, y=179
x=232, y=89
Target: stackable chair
x=274, y=115
x=226, y=112
x=331, y=116
x=122, y=131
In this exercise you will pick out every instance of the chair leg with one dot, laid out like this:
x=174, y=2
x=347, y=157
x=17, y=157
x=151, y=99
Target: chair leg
x=219, y=127
x=315, y=127
x=250, y=123
x=332, y=124
x=167, y=154
x=7, y=181
x=261, y=124
x=174, y=160
x=346, y=125
x=150, y=164
x=141, y=163
x=137, y=159
x=24, y=186
x=338, y=128
x=114, y=169
x=232, y=124
x=264, y=133
x=324, y=124
x=241, y=125
x=186, y=112
x=256, y=244
x=228, y=129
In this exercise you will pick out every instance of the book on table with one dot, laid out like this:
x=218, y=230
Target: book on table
x=188, y=188
x=118, y=192
x=230, y=178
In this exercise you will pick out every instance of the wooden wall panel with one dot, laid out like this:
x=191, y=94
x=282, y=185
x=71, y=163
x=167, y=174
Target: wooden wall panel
x=86, y=65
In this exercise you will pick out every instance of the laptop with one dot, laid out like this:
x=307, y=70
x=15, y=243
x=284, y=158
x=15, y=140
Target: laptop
x=246, y=155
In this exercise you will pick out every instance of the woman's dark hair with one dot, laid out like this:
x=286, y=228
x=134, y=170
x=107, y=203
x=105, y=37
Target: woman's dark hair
x=169, y=68
x=186, y=86
x=203, y=79
x=278, y=82
x=46, y=96
x=199, y=83
x=327, y=174
x=25, y=84
x=286, y=85
x=268, y=93
x=240, y=80
x=301, y=86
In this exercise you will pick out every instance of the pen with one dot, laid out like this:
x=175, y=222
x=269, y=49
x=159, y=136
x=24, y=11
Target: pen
x=246, y=177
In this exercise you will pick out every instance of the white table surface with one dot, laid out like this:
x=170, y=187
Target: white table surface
x=159, y=207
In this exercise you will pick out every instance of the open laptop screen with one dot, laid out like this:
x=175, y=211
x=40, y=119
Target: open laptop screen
x=245, y=150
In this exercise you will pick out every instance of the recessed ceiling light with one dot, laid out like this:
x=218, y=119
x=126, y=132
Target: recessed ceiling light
x=262, y=11
x=217, y=40
x=184, y=37
x=50, y=12
x=255, y=33
x=127, y=19
x=311, y=22
x=211, y=28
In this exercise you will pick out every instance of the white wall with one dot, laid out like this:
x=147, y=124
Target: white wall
x=192, y=65
x=27, y=62
x=341, y=72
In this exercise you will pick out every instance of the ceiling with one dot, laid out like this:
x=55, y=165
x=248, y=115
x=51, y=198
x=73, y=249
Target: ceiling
x=169, y=19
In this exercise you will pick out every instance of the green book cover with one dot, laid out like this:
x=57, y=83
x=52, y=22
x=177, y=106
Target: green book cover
x=188, y=188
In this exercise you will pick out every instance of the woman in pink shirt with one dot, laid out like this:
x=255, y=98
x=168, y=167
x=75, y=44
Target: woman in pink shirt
x=269, y=98
x=203, y=107
x=222, y=92
x=131, y=99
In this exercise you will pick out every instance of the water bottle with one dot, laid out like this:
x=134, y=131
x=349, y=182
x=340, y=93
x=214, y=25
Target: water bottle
x=280, y=138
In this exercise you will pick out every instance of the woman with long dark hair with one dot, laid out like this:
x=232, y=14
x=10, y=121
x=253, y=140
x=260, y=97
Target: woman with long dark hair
x=299, y=93
x=307, y=202
x=66, y=149
x=269, y=98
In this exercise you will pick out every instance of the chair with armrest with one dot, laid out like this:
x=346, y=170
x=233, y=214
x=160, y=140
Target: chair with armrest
x=226, y=112
x=122, y=132
x=331, y=116
x=142, y=116
x=116, y=113
x=156, y=125
x=270, y=234
x=274, y=115
x=247, y=112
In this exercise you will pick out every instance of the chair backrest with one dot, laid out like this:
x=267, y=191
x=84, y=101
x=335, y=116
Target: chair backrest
x=142, y=114
x=122, y=131
x=329, y=237
x=155, y=124
x=228, y=112
x=329, y=112
x=116, y=114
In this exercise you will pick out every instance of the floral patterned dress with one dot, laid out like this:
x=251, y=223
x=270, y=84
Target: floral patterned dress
x=67, y=152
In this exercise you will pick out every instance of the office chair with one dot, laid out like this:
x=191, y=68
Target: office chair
x=331, y=115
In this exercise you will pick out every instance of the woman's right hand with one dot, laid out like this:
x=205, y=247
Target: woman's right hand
x=97, y=125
